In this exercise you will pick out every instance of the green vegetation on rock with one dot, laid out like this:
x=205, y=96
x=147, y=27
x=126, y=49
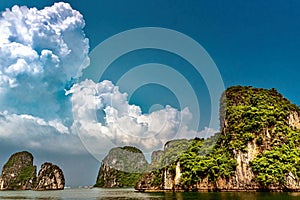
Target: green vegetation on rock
x=27, y=173
x=260, y=134
x=250, y=112
x=131, y=149
x=262, y=115
x=272, y=166
x=173, y=149
x=122, y=167
x=19, y=173
x=202, y=160
x=121, y=178
x=127, y=179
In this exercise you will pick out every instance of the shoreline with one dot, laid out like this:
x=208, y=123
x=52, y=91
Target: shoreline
x=220, y=191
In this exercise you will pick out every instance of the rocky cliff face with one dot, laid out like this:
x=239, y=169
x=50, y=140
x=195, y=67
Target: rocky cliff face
x=163, y=173
x=50, y=177
x=122, y=167
x=258, y=149
x=156, y=157
x=18, y=173
x=294, y=120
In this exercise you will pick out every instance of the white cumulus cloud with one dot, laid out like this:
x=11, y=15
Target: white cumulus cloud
x=41, y=51
x=35, y=133
x=103, y=118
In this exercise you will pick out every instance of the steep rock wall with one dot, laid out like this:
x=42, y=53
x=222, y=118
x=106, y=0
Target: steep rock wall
x=50, y=177
x=122, y=167
x=18, y=173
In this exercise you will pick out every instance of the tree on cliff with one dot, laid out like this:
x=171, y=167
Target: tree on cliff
x=258, y=147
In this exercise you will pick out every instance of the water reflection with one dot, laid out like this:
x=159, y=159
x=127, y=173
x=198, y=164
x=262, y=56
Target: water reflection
x=122, y=194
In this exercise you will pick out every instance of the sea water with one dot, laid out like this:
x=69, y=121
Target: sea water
x=99, y=194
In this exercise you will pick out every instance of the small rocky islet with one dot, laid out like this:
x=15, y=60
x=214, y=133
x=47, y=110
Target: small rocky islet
x=19, y=173
x=122, y=167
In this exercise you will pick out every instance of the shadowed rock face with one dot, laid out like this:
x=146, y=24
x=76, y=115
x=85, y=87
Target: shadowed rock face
x=122, y=167
x=18, y=173
x=50, y=177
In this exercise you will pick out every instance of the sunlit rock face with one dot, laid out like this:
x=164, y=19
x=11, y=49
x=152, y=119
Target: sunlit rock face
x=294, y=120
x=18, y=173
x=50, y=177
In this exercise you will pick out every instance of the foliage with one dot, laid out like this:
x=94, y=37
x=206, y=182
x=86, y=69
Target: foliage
x=273, y=165
x=131, y=149
x=100, y=182
x=247, y=115
x=259, y=140
x=197, y=164
x=172, y=153
x=173, y=150
x=27, y=173
x=123, y=179
x=126, y=179
x=24, y=173
x=157, y=178
x=251, y=111
x=262, y=115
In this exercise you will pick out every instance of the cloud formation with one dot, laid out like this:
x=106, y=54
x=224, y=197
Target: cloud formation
x=103, y=118
x=34, y=133
x=41, y=51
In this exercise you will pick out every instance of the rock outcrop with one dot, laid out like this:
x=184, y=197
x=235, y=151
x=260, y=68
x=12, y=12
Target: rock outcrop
x=18, y=173
x=122, y=167
x=163, y=174
x=257, y=149
x=294, y=120
x=156, y=157
x=50, y=177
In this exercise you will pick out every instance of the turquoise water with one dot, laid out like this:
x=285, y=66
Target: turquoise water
x=99, y=194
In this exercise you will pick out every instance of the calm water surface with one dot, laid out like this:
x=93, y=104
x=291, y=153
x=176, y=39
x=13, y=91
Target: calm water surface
x=97, y=194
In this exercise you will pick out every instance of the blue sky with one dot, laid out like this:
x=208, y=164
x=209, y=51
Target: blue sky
x=251, y=42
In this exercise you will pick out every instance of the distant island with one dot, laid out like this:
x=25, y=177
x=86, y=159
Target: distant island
x=257, y=149
x=19, y=173
x=122, y=167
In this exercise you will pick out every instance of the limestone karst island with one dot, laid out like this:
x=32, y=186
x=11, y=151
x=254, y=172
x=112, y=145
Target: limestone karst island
x=19, y=173
x=257, y=149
